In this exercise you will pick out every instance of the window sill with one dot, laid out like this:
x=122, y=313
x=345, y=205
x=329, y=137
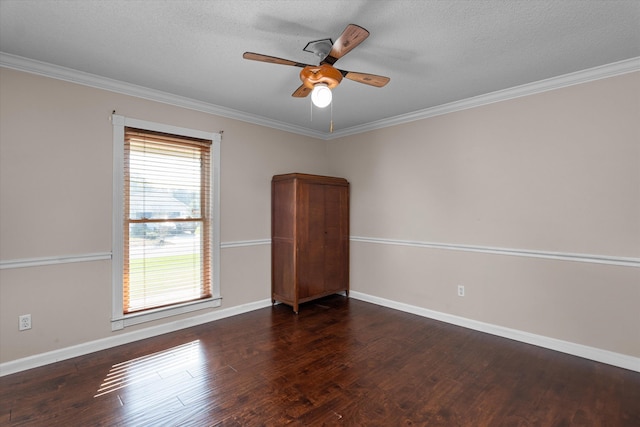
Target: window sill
x=161, y=313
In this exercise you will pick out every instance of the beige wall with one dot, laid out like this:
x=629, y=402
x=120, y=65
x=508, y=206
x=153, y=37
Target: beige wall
x=557, y=171
x=554, y=172
x=55, y=186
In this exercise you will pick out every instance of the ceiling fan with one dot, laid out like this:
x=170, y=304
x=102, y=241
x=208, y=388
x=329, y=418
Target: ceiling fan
x=320, y=79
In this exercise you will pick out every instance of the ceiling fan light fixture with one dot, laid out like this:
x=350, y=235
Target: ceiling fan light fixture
x=321, y=95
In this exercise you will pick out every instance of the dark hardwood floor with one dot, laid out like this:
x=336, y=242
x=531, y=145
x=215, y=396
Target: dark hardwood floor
x=339, y=362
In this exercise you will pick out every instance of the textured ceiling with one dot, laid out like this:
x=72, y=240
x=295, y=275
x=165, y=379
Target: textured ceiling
x=435, y=52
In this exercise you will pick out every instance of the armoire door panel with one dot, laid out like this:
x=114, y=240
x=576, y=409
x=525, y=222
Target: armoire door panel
x=283, y=210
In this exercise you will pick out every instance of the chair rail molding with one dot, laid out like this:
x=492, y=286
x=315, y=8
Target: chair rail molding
x=562, y=256
x=54, y=260
x=102, y=256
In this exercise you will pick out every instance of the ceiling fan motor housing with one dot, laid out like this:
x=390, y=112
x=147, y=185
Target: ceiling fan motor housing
x=325, y=73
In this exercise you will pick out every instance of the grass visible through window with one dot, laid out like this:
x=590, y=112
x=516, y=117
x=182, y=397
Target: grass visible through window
x=166, y=279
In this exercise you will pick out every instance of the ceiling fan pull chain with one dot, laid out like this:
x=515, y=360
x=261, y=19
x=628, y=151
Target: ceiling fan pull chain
x=331, y=125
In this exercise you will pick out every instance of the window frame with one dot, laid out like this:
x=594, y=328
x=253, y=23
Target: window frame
x=119, y=320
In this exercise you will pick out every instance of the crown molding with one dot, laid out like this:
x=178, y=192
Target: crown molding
x=67, y=74
x=558, y=82
x=86, y=79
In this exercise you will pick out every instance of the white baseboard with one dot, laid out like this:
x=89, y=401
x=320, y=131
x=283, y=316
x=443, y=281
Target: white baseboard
x=591, y=353
x=37, y=360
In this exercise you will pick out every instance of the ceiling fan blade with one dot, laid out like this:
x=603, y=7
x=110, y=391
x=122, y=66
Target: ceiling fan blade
x=351, y=37
x=271, y=59
x=301, y=92
x=369, y=79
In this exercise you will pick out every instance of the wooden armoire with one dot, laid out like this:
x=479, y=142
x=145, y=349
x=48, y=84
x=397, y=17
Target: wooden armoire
x=309, y=237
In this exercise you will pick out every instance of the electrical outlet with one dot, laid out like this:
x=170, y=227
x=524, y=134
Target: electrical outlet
x=460, y=290
x=24, y=322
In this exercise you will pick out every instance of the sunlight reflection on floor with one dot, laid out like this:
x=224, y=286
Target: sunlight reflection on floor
x=142, y=368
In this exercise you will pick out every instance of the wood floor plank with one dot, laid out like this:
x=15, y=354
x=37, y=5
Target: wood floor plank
x=338, y=362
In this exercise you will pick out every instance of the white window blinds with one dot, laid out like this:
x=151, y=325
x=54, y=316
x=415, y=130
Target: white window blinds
x=167, y=220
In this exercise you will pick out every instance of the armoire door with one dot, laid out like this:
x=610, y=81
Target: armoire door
x=336, y=238
x=311, y=235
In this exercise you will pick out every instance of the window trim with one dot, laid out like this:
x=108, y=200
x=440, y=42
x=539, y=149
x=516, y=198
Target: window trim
x=118, y=319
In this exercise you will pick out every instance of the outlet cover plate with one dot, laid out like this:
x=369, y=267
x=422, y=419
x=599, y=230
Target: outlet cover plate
x=24, y=322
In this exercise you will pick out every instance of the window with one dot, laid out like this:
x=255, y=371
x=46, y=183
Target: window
x=166, y=224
